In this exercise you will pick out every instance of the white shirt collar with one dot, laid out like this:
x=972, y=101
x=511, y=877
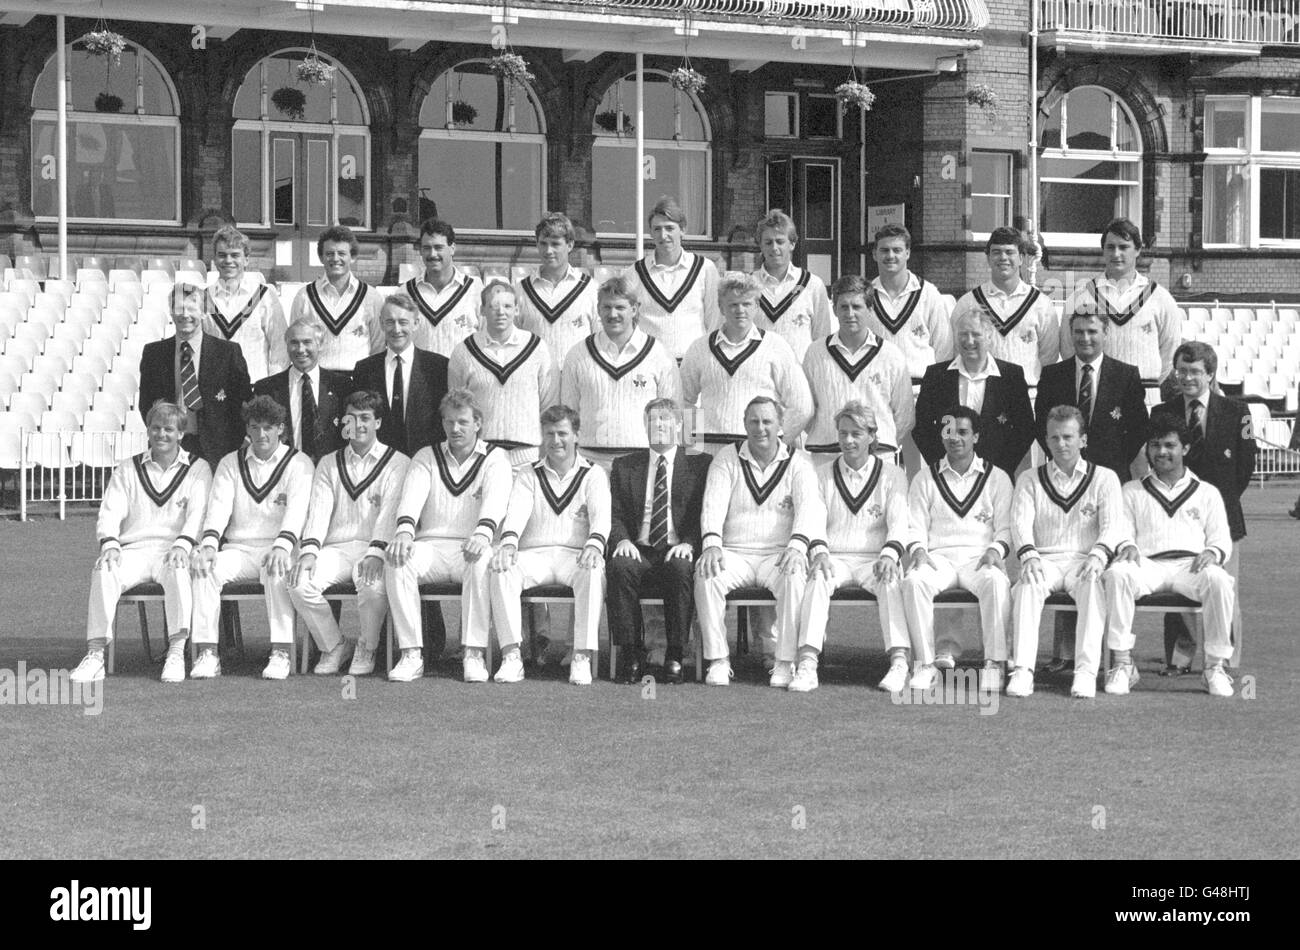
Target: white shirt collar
x=871, y=340
x=407, y=355
x=670, y=456
x=1080, y=469
x=569, y=276
x=247, y=284
x=634, y=342
x=296, y=375
x=990, y=369
x=280, y=451
x=683, y=263
x=480, y=448
x=753, y=334
x=374, y=453
x=324, y=286
x=792, y=275
x=859, y=473
x=182, y=458
x=1137, y=282
x=976, y=467
x=913, y=284
x=517, y=337
x=1178, y=485
x=581, y=462
x=782, y=452
x=990, y=289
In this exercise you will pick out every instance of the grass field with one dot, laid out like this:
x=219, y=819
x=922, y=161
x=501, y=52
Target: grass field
x=543, y=769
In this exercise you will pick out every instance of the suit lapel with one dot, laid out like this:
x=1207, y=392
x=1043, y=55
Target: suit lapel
x=993, y=398
x=638, y=473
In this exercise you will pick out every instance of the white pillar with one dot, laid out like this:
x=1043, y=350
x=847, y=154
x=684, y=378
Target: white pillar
x=61, y=90
x=640, y=153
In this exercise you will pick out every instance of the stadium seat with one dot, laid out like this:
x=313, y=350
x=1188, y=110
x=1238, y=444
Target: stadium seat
x=81, y=379
x=120, y=384
x=70, y=401
x=96, y=447
x=1259, y=416
x=33, y=265
x=41, y=383
x=1253, y=384
x=81, y=315
x=1208, y=334
x=163, y=265
x=73, y=331
x=1293, y=399
x=26, y=348
x=37, y=332
x=1231, y=371
x=127, y=296
x=1198, y=315
x=48, y=448
x=113, y=403
x=93, y=298
x=94, y=262
x=91, y=364
x=14, y=364
x=199, y=277
x=491, y=272
x=1279, y=385
x=1246, y=351
x=1264, y=316
x=129, y=354
x=46, y=316
x=152, y=279
x=53, y=420
x=8, y=385
x=5, y=332
x=1221, y=317
x=100, y=348
x=33, y=404
x=102, y=420
x=134, y=423
x=61, y=346
x=17, y=418
x=56, y=294
x=1263, y=365
x=121, y=277
x=52, y=365
x=1244, y=315
x=25, y=288
x=132, y=441
x=15, y=301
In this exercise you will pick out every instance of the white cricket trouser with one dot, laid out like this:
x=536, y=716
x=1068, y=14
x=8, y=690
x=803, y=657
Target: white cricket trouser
x=850, y=570
x=990, y=586
x=337, y=564
x=439, y=561
x=235, y=563
x=140, y=562
x=1126, y=581
x=749, y=570
x=1060, y=573
x=550, y=564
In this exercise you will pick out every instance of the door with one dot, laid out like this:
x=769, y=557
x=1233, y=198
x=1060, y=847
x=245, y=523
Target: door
x=302, y=196
x=809, y=190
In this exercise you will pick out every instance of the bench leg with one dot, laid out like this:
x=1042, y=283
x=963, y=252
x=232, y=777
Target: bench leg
x=144, y=631
x=112, y=644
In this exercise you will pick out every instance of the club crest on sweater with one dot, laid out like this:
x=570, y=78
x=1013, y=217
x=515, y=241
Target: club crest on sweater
x=281, y=500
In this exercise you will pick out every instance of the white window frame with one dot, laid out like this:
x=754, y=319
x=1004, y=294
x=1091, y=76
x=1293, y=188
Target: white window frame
x=1254, y=160
x=839, y=119
x=1010, y=196
x=788, y=96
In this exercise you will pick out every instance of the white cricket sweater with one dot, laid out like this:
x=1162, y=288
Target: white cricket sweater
x=1027, y=329
x=256, y=503
x=512, y=394
x=958, y=517
x=1178, y=522
x=343, y=510
x=610, y=389
x=722, y=381
x=876, y=374
x=547, y=511
x=1080, y=516
x=145, y=505
x=1145, y=323
x=797, y=308
x=447, y=316
x=351, y=321
x=865, y=514
x=253, y=318
x=917, y=323
x=761, y=511
x=445, y=500
x=679, y=309
x=563, y=314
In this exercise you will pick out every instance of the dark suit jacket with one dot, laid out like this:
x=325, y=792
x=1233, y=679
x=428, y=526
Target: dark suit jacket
x=223, y=384
x=1226, y=456
x=1112, y=442
x=627, y=485
x=335, y=387
x=1006, y=420
x=428, y=386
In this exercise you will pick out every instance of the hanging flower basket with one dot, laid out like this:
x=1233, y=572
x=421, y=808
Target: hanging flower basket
x=462, y=113
x=854, y=93
x=982, y=95
x=686, y=79
x=107, y=102
x=512, y=67
x=608, y=120
x=315, y=71
x=291, y=102
x=106, y=43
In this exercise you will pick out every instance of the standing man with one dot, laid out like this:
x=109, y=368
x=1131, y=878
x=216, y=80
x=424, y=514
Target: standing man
x=205, y=374
x=794, y=302
x=1145, y=322
x=655, y=536
x=558, y=302
x=761, y=510
x=855, y=365
x=555, y=531
x=905, y=309
x=353, y=491
x=679, y=288
x=447, y=297
x=1027, y=329
x=612, y=375
x=242, y=309
x=312, y=396
x=148, y=520
x=865, y=537
x=346, y=307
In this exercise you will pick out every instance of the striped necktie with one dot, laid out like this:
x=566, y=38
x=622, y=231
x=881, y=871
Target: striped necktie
x=1085, y=393
x=307, y=426
x=1194, y=430
x=189, y=379
x=659, y=507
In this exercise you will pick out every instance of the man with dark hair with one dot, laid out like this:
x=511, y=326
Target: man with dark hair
x=557, y=301
x=242, y=309
x=446, y=297
x=346, y=307
x=906, y=309
x=312, y=394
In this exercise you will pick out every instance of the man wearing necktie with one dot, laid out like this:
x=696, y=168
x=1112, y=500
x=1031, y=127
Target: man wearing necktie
x=312, y=394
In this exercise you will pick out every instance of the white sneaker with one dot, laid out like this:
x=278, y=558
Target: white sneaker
x=1217, y=681
x=1121, y=679
x=896, y=678
x=206, y=666
x=409, y=668
x=719, y=673
x=511, y=669
x=331, y=663
x=1022, y=682
x=991, y=679
x=174, y=668
x=580, y=669
x=475, y=670
x=1084, y=685
x=90, y=669
x=805, y=677
x=277, y=668
x=945, y=661
x=363, y=661
x=782, y=674
x=923, y=677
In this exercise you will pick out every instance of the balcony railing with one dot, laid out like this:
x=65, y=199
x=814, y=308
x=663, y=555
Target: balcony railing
x=1253, y=22
x=964, y=15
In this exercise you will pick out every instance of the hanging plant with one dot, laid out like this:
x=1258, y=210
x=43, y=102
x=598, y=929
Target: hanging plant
x=291, y=102
x=462, y=113
x=107, y=102
x=854, y=93
x=982, y=95
x=104, y=42
x=686, y=79
x=512, y=67
x=315, y=71
x=608, y=120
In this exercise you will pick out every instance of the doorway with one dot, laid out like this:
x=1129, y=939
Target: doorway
x=809, y=190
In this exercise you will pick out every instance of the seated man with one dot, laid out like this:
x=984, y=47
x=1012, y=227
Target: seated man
x=451, y=506
x=866, y=533
x=555, y=530
x=354, y=488
x=148, y=520
x=1180, y=541
x=961, y=520
x=761, y=508
x=258, y=505
x=1066, y=519
x=655, y=533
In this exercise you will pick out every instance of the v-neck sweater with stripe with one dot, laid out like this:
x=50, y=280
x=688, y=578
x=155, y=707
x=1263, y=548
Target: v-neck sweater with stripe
x=573, y=515
x=439, y=505
x=766, y=512
x=276, y=518
x=129, y=515
x=611, y=399
x=1090, y=518
x=961, y=536
x=1185, y=524
x=335, y=517
x=879, y=525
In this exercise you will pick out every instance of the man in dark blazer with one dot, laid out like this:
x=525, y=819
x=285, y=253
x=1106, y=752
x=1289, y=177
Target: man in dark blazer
x=412, y=420
x=309, y=393
x=654, y=540
x=205, y=374
x=1222, y=453
x=994, y=388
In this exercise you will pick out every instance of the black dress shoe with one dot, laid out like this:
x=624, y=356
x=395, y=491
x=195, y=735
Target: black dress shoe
x=1295, y=512
x=631, y=668
x=672, y=672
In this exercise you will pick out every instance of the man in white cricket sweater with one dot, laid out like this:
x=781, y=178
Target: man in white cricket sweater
x=346, y=307
x=557, y=301
x=255, y=514
x=451, y=506
x=510, y=372
x=794, y=302
x=724, y=370
x=866, y=534
x=679, y=289
x=1066, y=521
x=1027, y=329
x=960, y=513
x=555, y=530
x=446, y=297
x=612, y=374
x=1145, y=322
x=352, y=494
x=761, y=510
x=1179, y=540
x=243, y=309
x=148, y=521
x=855, y=365
x=905, y=309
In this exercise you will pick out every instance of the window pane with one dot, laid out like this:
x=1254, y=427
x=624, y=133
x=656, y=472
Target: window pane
x=1227, y=204
x=282, y=74
x=660, y=102
x=1126, y=133
x=246, y=175
x=678, y=172
x=1225, y=124
x=157, y=97
x=780, y=114
x=823, y=113
x=479, y=102
x=460, y=177
x=96, y=75
x=318, y=182
x=1051, y=135
x=1279, y=203
x=1279, y=127
x=1083, y=209
x=990, y=173
x=282, y=175
x=1088, y=119
x=778, y=184
x=1086, y=169
x=989, y=212
x=116, y=171
x=353, y=161
x=819, y=203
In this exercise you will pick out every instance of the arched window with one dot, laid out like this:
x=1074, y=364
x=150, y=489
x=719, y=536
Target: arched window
x=1091, y=167
x=676, y=148
x=300, y=153
x=482, y=151
x=124, y=144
